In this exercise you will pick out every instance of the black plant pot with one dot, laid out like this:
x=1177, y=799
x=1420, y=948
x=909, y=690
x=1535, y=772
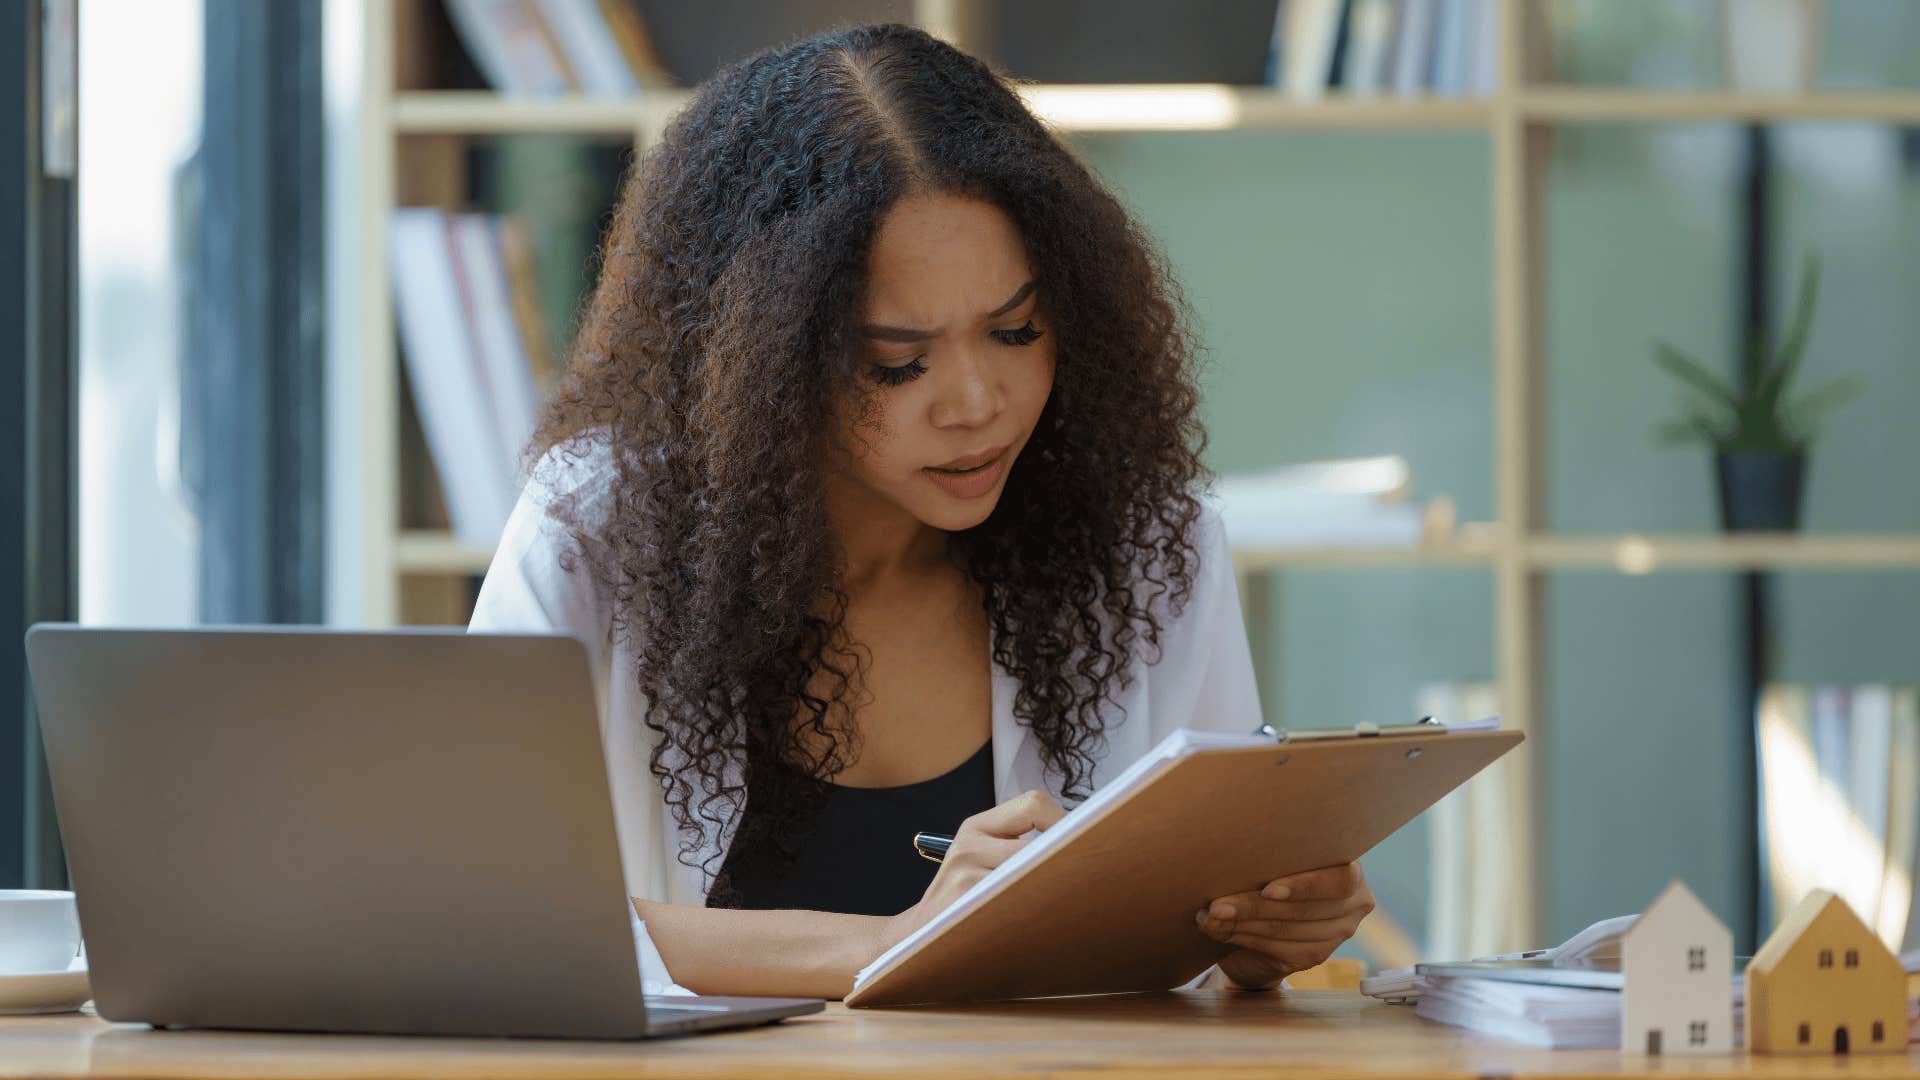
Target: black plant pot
x=1760, y=491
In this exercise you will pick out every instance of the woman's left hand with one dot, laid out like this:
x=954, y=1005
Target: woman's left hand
x=1292, y=924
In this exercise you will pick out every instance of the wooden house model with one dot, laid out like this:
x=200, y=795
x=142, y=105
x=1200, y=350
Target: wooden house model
x=1677, y=963
x=1825, y=984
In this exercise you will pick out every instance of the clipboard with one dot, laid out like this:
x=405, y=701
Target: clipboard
x=1107, y=907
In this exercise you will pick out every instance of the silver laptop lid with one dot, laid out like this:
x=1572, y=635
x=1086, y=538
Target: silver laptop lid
x=337, y=831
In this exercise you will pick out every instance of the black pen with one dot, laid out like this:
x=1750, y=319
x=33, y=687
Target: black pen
x=932, y=845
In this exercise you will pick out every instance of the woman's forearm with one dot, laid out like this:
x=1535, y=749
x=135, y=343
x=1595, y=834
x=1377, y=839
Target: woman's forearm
x=770, y=953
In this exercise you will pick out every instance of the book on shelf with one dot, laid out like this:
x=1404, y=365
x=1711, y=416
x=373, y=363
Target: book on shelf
x=506, y=374
x=1453, y=41
x=635, y=44
x=467, y=361
x=508, y=45
x=1304, y=35
x=1369, y=39
x=1358, y=502
x=1840, y=798
x=1476, y=893
x=1483, y=74
x=581, y=34
x=544, y=48
x=1342, y=35
x=1412, y=59
x=523, y=284
x=1444, y=48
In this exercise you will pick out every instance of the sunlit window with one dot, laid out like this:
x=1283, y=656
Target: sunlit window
x=140, y=107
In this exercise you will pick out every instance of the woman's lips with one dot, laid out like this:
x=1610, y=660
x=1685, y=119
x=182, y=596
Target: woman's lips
x=971, y=483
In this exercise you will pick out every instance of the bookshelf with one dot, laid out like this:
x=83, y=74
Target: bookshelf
x=1515, y=119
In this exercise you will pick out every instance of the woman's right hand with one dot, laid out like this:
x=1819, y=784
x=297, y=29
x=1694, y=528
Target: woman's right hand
x=984, y=841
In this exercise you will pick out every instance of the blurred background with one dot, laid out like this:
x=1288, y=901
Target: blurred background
x=1562, y=364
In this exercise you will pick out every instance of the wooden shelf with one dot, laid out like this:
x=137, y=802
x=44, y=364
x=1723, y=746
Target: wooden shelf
x=1116, y=107
x=1476, y=543
x=1255, y=560
x=432, y=552
x=1635, y=553
x=480, y=112
x=422, y=551
x=1204, y=107
x=1195, y=107
x=1584, y=105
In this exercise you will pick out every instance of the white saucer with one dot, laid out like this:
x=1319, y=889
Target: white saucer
x=45, y=991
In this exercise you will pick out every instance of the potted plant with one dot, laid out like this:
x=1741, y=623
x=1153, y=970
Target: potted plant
x=1759, y=436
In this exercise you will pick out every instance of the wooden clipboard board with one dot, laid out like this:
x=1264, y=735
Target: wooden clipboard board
x=1111, y=909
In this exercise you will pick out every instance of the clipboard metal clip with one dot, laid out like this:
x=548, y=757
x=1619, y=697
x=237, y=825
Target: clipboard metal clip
x=1426, y=725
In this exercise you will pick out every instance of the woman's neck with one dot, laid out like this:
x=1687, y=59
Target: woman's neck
x=881, y=541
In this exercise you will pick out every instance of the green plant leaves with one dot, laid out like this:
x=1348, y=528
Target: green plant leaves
x=1756, y=415
x=1694, y=373
x=1696, y=427
x=1795, y=346
x=1805, y=415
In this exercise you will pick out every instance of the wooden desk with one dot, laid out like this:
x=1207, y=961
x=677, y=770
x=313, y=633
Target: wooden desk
x=1194, y=1034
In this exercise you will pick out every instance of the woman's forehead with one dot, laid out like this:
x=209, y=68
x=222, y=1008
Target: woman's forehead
x=941, y=257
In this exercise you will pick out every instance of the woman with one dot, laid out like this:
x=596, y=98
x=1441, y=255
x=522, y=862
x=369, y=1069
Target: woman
x=869, y=489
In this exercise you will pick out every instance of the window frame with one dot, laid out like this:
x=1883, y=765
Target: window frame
x=253, y=351
x=38, y=418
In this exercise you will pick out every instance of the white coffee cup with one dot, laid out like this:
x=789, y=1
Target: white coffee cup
x=39, y=931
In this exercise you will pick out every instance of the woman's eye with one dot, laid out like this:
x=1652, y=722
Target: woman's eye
x=895, y=375
x=1021, y=335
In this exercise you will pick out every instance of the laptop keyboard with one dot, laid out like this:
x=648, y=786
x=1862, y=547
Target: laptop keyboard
x=669, y=1005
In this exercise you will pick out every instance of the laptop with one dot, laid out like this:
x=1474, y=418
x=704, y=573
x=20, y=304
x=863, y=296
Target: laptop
x=310, y=830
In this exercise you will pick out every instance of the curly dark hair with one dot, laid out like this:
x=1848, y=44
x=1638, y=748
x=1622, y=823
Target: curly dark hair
x=720, y=339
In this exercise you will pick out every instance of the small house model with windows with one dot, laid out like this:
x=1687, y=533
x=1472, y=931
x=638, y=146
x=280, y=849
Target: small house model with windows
x=1824, y=984
x=1677, y=964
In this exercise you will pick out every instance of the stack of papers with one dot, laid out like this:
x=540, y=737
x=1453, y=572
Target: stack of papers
x=1555, y=1017
x=1595, y=947
x=1361, y=502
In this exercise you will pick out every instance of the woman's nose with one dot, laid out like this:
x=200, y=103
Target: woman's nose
x=971, y=395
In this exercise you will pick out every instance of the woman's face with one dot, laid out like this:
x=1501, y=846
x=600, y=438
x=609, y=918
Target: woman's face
x=957, y=357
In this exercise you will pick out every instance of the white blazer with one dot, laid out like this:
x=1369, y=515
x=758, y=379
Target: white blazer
x=1203, y=678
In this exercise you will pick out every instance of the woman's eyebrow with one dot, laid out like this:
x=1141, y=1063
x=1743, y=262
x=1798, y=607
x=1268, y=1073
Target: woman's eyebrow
x=904, y=334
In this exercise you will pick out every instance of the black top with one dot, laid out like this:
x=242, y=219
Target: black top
x=858, y=858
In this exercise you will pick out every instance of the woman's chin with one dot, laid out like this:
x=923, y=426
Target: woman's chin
x=958, y=515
